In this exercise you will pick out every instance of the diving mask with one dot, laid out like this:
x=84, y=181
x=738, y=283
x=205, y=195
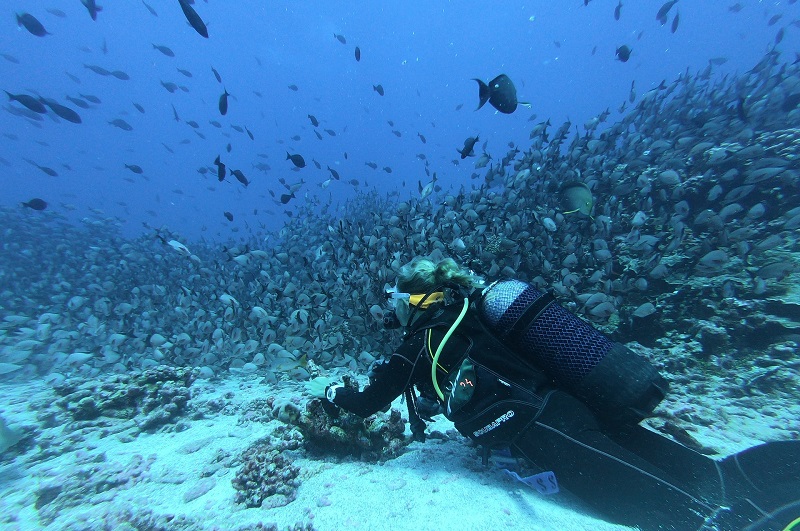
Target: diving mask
x=402, y=302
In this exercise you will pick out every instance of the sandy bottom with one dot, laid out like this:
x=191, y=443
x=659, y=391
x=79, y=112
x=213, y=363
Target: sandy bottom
x=152, y=478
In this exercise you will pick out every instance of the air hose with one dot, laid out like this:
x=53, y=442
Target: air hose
x=435, y=360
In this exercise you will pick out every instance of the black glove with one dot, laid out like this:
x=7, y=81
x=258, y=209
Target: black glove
x=331, y=409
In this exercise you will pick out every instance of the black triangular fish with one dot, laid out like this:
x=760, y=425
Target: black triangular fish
x=500, y=93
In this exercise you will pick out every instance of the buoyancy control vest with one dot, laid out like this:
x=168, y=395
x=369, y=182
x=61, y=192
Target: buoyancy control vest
x=619, y=385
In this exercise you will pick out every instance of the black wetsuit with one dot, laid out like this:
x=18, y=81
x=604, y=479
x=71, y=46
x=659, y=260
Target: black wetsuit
x=627, y=473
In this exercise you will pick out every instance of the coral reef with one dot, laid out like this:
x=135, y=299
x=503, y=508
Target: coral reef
x=267, y=477
x=377, y=438
x=153, y=398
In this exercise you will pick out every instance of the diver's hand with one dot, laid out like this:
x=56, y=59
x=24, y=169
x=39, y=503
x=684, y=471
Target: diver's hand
x=317, y=386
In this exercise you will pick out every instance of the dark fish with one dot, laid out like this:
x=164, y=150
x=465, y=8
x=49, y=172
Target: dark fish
x=371, y=165
x=98, y=70
x=617, y=11
x=28, y=101
x=398, y=134
x=76, y=79
x=340, y=38
x=469, y=145
x=49, y=171
x=79, y=102
x=91, y=98
x=330, y=132
x=237, y=128
x=358, y=53
x=57, y=12
x=334, y=173
x=500, y=93
x=194, y=19
x=314, y=121
x=227, y=214
x=170, y=86
x=35, y=204
x=319, y=136
x=175, y=114
x=215, y=123
x=387, y=169
x=421, y=137
x=184, y=72
x=92, y=7
x=220, y=169
x=250, y=134
x=285, y=198
x=661, y=16
x=223, y=103
x=193, y=124
x=297, y=160
x=623, y=53
x=135, y=168
x=122, y=124
x=152, y=11
x=139, y=108
x=228, y=147
x=216, y=74
x=718, y=60
x=293, y=87
x=735, y=8
x=774, y=19
x=296, y=138
x=317, y=164
x=119, y=74
x=378, y=89
x=675, y=21
x=459, y=106
x=779, y=36
x=790, y=102
x=31, y=24
x=240, y=177
x=10, y=58
x=62, y=111
x=163, y=49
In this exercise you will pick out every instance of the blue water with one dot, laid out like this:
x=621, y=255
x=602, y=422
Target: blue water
x=559, y=54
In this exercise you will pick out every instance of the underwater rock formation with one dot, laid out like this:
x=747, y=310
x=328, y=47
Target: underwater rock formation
x=267, y=477
x=376, y=438
x=154, y=398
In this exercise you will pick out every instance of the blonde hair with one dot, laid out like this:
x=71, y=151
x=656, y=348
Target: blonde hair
x=422, y=275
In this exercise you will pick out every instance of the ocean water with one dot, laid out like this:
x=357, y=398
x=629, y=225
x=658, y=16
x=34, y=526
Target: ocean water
x=123, y=252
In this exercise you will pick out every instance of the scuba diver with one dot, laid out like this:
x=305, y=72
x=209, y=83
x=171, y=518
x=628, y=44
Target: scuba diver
x=514, y=370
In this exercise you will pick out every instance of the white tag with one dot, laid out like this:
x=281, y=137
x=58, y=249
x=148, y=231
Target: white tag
x=544, y=482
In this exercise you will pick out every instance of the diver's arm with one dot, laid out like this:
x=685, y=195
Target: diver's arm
x=385, y=387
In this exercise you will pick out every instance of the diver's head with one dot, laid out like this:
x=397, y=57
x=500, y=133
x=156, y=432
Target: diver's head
x=419, y=285
x=423, y=275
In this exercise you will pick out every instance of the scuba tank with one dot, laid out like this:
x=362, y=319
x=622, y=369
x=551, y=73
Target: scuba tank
x=619, y=385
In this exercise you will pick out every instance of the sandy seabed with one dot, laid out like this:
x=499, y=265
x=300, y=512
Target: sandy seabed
x=154, y=477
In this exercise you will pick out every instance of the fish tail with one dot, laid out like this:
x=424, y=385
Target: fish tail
x=483, y=93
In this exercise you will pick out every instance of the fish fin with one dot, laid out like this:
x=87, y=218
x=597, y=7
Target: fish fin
x=483, y=93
